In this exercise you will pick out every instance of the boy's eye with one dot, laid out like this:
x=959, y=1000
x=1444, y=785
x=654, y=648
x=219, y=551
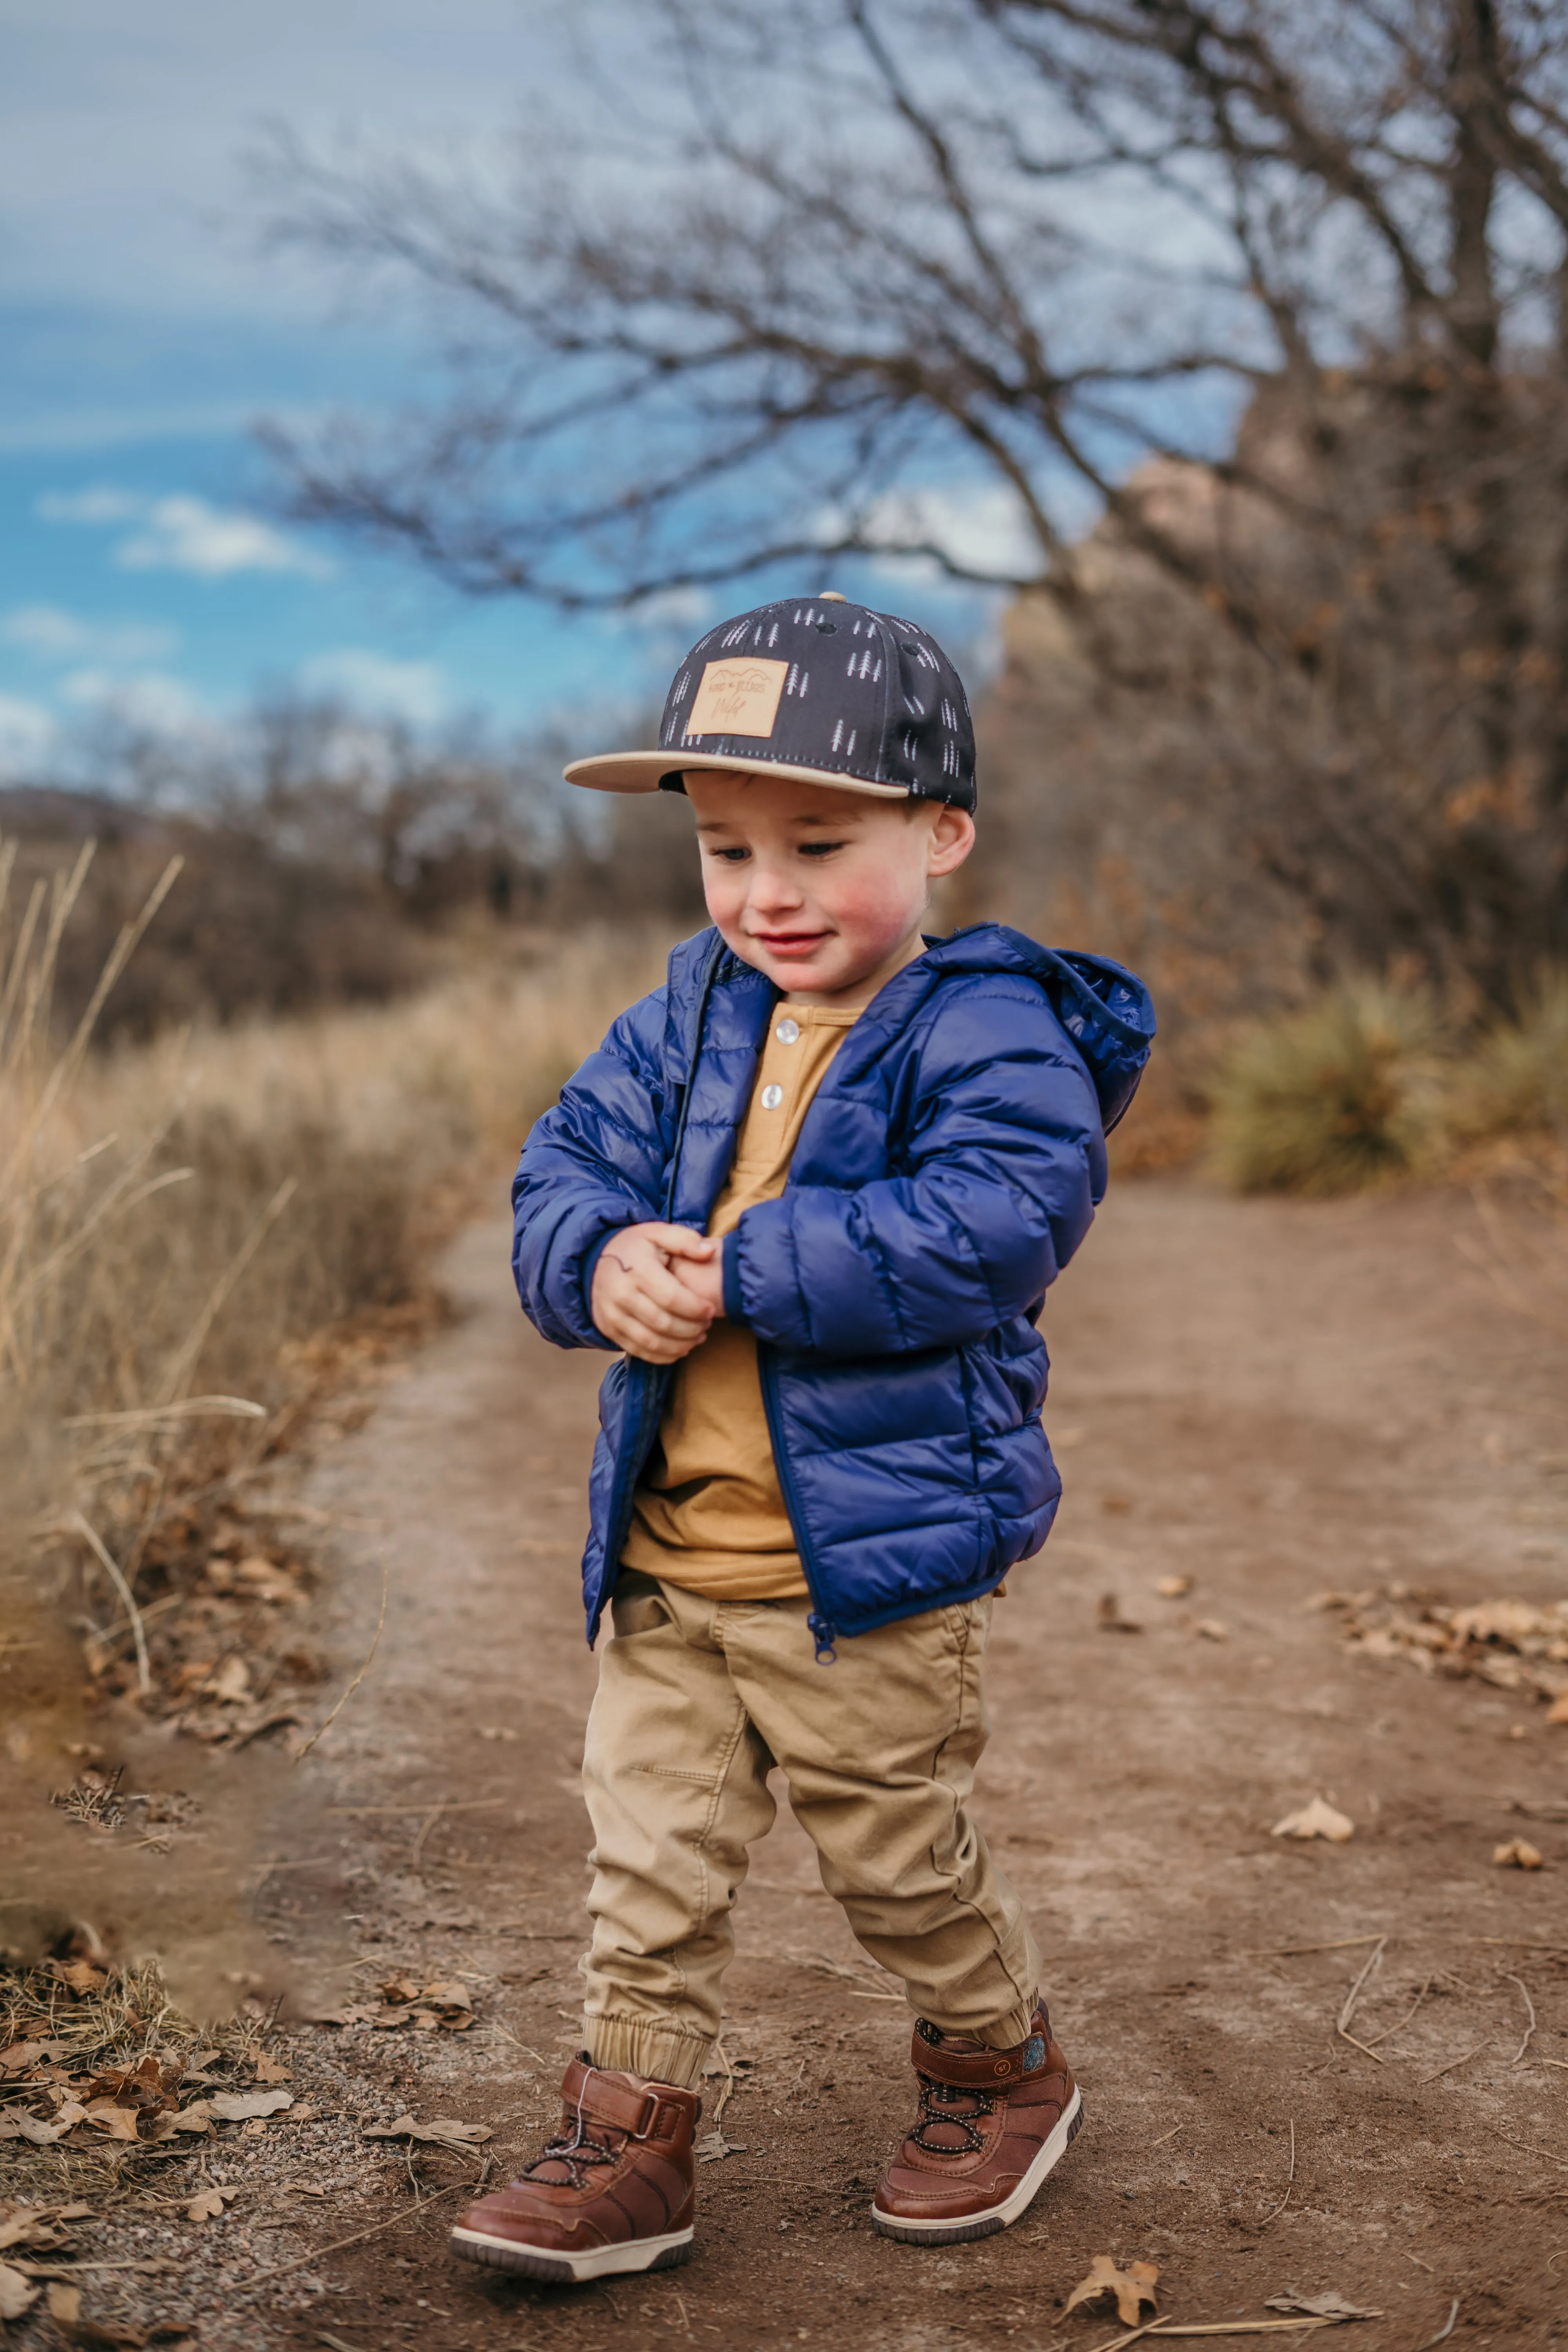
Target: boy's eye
x=819, y=848
x=731, y=856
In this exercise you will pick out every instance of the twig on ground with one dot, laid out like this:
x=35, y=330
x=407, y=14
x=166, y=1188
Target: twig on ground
x=1373, y=1959
x=1446, y=2330
x=301, y=1753
x=1529, y=2150
x=1290, y=2182
x=319, y=2253
x=441, y=1805
x=1530, y=2010
x=1390, y=2030
x=1457, y=2062
x=1293, y=1951
x=526, y=2050
x=1164, y=2136
x=110, y=1567
x=1364, y=2047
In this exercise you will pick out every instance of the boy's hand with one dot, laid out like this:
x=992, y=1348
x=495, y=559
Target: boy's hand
x=657, y=1288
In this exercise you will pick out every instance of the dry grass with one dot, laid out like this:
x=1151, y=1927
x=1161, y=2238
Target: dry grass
x=1369, y=1084
x=198, y=1236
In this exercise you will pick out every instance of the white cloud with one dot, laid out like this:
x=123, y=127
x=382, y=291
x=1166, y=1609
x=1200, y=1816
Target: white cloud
x=51, y=635
x=182, y=533
x=983, y=528
x=28, y=734
x=152, y=699
x=100, y=505
x=186, y=534
x=413, y=690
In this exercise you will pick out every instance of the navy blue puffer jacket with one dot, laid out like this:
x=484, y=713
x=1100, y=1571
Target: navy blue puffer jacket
x=947, y=1170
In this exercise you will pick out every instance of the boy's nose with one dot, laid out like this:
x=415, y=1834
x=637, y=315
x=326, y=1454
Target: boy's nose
x=773, y=887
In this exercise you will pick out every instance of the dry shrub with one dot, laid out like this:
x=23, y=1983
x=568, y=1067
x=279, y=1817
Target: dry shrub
x=1516, y=1082
x=185, y=1227
x=1344, y=1093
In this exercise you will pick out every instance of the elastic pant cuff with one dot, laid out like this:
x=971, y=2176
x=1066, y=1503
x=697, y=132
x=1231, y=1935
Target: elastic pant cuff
x=659, y=2053
x=1007, y=2033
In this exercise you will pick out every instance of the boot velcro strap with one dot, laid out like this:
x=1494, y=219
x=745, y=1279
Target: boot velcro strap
x=605, y=2098
x=977, y=2070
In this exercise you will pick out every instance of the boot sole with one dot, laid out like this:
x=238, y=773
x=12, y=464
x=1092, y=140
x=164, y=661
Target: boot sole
x=665, y=2254
x=1002, y=2216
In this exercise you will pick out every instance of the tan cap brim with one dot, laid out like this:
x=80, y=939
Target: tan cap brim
x=639, y=772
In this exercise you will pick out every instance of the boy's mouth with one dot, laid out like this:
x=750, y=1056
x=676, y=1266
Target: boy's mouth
x=791, y=945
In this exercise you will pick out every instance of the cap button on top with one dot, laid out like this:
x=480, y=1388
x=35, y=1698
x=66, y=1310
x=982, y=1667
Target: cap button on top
x=787, y=1032
x=772, y=1097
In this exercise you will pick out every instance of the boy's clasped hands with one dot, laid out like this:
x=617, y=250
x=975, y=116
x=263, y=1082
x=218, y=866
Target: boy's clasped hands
x=657, y=1291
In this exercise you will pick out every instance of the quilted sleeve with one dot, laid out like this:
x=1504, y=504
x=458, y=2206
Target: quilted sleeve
x=594, y=1163
x=1004, y=1162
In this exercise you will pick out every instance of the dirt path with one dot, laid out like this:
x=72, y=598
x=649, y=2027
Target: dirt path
x=1269, y=1397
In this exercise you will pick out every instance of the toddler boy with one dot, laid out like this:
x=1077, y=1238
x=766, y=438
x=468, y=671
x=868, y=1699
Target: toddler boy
x=812, y=1191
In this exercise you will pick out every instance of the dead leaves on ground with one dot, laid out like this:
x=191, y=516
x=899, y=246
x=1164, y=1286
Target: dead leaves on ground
x=207, y=2204
x=441, y=2005
x=1517, y=1854
x=136, y=2103
x=1511, y=1644
x=65, y=2310
x=442, y=2131
x=1317, y=1820
x=1132, y=2288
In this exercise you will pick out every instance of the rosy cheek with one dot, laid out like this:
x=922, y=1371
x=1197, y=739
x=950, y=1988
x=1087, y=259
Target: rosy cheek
x=872, y=907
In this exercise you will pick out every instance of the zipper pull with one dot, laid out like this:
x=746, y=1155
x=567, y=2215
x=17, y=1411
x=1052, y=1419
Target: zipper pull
x=824, y=1634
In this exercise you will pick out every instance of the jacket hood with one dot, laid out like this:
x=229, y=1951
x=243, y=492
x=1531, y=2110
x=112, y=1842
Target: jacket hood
x=1105, y=1009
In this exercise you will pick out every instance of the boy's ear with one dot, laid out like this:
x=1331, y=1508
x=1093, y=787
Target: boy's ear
x=951, y=839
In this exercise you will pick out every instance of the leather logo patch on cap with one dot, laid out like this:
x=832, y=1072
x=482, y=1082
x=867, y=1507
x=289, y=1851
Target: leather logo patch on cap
x=738, y=698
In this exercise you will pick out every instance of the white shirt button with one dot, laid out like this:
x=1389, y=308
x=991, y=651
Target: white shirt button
x=787, y=1032
x=772, y=1097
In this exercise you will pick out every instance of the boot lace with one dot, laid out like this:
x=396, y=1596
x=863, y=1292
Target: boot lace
x=577, y=2149
x=939, y=2102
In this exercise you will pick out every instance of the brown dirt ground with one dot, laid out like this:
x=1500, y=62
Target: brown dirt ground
x=1270, y=1397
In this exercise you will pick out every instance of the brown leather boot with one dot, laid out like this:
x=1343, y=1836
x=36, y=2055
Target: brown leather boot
x=613, y=2190
x=992, y=2123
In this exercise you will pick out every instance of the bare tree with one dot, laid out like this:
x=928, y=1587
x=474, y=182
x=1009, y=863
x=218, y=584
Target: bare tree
x=943, y=283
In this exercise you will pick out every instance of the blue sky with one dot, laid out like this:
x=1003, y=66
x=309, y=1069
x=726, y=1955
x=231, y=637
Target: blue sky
x=145, y=333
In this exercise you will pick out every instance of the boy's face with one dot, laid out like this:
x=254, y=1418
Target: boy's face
x=823, y=890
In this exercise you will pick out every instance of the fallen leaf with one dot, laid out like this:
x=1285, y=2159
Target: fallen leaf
x=1517, y=1854
x=80, y=1975
x=272, y=2070
x=65, y=2303
x=108, y=2115
x=446, y=1993
x=1132, y=2287
x=231, y=1684
x=1108, y=1617
x=404, y=1988
x=1330, y=2306
x=1172, y=1588
x=1212, y=1630
x=20, y=2054
x=1316, y=1820
x=712, y=2147
x=308, y=2114
x=33, y=2128
x=207, y=2204
x=1558, y=1710
x=239, y=2107
x=16, y=2295
x=69, y=2112
x=441, y=2128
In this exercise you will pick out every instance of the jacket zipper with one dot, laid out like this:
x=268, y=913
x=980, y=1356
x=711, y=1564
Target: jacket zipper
x=824, y=1631
x=629, y=1461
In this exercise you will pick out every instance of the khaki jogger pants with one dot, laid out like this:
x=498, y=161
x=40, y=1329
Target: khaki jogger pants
x=697, y=1700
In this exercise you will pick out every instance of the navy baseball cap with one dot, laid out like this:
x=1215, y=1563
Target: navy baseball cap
x=816, y=689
